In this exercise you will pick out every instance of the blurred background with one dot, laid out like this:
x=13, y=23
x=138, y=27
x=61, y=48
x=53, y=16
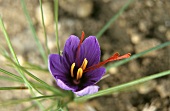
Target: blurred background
x=144, y=24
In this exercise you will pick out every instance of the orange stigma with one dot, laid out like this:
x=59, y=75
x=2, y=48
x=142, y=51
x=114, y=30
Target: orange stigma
x=114, y=57
x=78, y=48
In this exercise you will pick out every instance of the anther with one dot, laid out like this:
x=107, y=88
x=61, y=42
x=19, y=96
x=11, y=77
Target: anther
x=79, y=73
x=84, y=64
x=72, y=69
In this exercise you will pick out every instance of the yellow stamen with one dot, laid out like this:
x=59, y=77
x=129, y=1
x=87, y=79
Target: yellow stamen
x=84, y=64
x=72, y=69
x=79, y=73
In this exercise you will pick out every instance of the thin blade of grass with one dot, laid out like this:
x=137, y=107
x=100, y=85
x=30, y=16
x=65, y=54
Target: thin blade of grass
x=123, y=86
x=45, y=33
x=11, y=75
x=56, y=24
x=35, y=67
x=32, y=106
x=56, y=91
x=137, y=55
x=5, y=78
x=26, y=100
x=13, y=52
x=114, y=17
x=39, y=45
x=14, y=88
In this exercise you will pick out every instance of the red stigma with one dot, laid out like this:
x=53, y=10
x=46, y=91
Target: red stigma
x=114, y=57
x=78, y=48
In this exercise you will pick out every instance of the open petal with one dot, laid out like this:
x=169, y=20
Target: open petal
x=62, y=85
x=87, y=90
x=70, y=49
x=55, y=66
x=91, y=50
x=91, y=77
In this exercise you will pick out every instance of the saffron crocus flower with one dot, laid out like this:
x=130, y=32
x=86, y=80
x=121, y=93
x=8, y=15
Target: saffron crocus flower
x=79, y=67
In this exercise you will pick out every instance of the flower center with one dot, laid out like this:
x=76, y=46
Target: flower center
x=80, y=70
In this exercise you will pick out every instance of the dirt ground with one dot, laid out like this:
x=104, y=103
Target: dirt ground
x=144, y=24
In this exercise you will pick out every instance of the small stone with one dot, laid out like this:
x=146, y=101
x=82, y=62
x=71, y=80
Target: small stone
x=147, y=44
x=85, y=9
x=149, y=108
x=136, y=38
x=164, y=88
x=149, y=3
x=147, y=87
x=81, y=9
x=134, y=66
x=168, y=34
x=113, y=70
x=162, y=28
x=143, y=26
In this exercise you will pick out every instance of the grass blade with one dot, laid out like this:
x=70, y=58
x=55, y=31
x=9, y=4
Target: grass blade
x=123, y=86
x=11, y=74
x=13, y=53
x=56, y=24
x=26, y=100
x=113, y=19
x=138, y=55
x=39, y=45
x=14, y=88
x=45, y=33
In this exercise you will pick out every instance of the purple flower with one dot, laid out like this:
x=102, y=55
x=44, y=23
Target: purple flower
x=79, y=68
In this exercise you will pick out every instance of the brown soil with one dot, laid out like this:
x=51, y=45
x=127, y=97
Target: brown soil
x=144, y=24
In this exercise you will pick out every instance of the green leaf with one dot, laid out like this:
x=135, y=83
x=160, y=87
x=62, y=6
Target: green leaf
x=39, y=45
x=122, y=86
x=56, y=24
x=14, y=88
x=138, y=55
x=45, y=34
x=26, y=100
x=13, y=52
x=113, y=19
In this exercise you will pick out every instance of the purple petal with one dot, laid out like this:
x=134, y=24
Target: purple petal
x=55, y=66
x=70, y=49
x=92, y=77
x=87, y=90
x=59, y=72
x=62, y=85
x=91, y=50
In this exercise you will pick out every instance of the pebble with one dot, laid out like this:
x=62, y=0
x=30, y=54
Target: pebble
x=134, y=66
x=147, y=87
x=113, y=70
x=136, y=38
x=149, y=3
x=147, y=44
x=81, y=8
x=162, y=28
x=163, y=88
x=168, y=34
x=143, y=26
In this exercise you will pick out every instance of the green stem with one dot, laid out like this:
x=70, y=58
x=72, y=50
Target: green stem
x=13, y=88
x=45, y=33
x=114, y=17
x=122, y=86
x=26, y=100
x=40, y=47
x=138, y=55
x=56, y=24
